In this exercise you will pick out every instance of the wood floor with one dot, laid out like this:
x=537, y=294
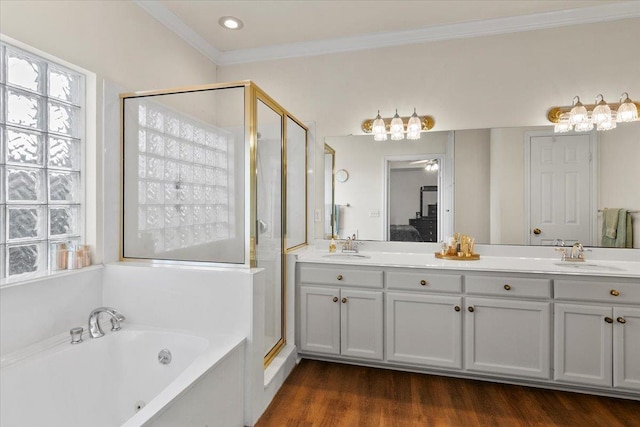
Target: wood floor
x=330, y=394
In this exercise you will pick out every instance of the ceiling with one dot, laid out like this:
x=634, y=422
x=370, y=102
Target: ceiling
x=286, y=28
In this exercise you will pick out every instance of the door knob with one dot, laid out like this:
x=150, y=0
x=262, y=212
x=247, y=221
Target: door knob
x=537, y=231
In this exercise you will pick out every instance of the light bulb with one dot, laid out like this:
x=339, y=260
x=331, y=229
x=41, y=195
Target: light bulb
x=563, y=124
x=601, y=112
x=578, y=113
x=379, y=129
x=627, y=111
x=414, y=126
x=397, y=128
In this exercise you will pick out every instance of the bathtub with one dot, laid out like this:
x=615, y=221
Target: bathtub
x=117, y=380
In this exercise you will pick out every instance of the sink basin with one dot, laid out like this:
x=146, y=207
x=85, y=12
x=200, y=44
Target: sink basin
x=587, y=266
x=346, y=256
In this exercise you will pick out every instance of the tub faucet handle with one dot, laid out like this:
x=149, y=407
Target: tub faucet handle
x=76, y=335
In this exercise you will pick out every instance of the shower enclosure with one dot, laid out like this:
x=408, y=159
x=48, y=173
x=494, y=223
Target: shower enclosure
x=215, y=175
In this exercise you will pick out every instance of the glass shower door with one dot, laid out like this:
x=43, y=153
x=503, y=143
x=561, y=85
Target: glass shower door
x=269, y=220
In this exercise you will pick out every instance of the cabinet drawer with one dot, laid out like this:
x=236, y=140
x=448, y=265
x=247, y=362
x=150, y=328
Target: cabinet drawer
x=340, y=275
x=610, y=292
x=424, y=281
x=508, y=286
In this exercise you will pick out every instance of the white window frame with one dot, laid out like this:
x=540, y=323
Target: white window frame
x=89, y=164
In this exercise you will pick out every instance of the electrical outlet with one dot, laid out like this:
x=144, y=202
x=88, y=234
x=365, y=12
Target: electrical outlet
x=317, y=215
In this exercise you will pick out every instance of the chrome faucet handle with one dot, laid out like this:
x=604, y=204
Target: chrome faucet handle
x=115, y=324
x=564, y=252
x=76, y=335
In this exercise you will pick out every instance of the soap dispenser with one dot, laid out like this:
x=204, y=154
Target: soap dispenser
x=332, y=245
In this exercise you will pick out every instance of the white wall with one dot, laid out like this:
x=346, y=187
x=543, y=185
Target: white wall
x=482, y=82
x=43, y=308
x=364, y=160
x=118, y=42
x=619, y=174
x=471, y=210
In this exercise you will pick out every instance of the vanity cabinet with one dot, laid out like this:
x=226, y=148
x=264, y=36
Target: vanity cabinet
x=573, y=332
x=341, y=320
x=597, y=344
x=423, y=327
x=509, y=336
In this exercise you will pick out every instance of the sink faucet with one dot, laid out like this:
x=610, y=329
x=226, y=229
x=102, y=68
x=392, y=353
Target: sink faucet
x=575, y=253
x=350, y=245
x=95, y=331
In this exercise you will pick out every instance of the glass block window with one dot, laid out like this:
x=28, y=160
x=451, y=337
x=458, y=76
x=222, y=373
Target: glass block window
x=41, y=136
x=184, y=185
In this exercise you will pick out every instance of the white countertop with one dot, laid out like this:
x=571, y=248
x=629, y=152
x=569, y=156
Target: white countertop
x=627, y=269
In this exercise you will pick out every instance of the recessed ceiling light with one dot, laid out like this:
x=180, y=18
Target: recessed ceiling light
x=230, y=22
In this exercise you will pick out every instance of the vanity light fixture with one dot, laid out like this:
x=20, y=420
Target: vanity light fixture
x=397, y=126
x=230, y=23
x=604, y=116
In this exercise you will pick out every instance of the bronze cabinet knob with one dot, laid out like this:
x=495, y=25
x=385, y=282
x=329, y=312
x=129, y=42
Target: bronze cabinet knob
x=456, y=308
x=423, y=282
x=621, y=320
x=344, y=300
x=614, y=293
x=335, y=299
x=608, y=319
x=339, y=277
x=471, y=309
x=537, y=231
x=507, y=287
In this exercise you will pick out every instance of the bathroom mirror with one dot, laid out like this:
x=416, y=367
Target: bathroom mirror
x=490, y=198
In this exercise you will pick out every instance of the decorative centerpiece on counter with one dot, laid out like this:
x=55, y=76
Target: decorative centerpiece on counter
x=459, y=247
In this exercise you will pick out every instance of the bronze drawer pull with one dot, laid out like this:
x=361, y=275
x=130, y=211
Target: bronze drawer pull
x=471, y=309
x=344, y=300
x=423, y=282
x=335, y=299
x=614, y=293
x=456, y=308
x=621, y=320
x=507, y=287
x=339, y=276
x=608, y=319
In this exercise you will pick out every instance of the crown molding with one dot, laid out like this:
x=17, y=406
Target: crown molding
x=175, y=24
x=538, y=21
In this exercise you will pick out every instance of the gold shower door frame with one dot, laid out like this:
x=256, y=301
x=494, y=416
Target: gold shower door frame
x=252, y=93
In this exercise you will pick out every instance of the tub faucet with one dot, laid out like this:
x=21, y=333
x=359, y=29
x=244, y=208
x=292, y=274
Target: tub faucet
x=95, y=331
